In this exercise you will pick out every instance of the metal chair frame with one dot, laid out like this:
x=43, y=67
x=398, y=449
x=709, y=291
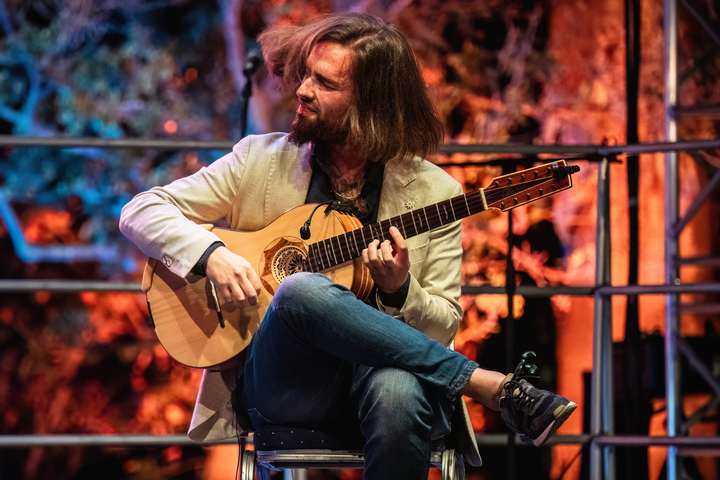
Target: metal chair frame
x=259, y=464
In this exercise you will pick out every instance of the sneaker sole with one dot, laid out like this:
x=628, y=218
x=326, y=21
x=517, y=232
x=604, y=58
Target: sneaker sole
x=561, y=416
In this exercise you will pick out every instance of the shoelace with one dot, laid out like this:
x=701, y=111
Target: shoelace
x=513, y=389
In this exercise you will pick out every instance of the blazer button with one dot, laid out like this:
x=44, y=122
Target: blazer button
x=167, y=260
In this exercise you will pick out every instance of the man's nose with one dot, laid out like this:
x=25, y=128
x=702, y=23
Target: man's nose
x=304, y=92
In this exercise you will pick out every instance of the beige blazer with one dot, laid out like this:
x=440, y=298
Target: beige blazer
x=261, y=178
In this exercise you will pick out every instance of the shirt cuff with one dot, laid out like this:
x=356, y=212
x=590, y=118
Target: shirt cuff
x=397, y=299
x=201, y=265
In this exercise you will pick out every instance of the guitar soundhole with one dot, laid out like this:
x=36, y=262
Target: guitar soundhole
x=287, y=260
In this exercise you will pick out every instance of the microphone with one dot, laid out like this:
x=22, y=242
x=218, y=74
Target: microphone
x=253, y=62
x=305, y=229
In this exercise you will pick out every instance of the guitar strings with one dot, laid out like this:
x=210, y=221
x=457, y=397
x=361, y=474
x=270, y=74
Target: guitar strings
x=338, y=249
x=330, y=252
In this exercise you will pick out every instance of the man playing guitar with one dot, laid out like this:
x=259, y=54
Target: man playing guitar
x=321, y=357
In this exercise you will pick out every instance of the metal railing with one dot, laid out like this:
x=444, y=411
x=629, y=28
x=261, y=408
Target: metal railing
x=142, y=440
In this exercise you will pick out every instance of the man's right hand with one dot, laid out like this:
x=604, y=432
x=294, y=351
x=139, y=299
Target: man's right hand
x=233, y=277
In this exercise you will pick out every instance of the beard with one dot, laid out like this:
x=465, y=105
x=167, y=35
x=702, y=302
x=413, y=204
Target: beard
x=318, y=130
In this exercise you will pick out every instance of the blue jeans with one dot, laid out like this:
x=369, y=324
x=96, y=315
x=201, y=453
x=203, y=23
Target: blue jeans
x=322, y=357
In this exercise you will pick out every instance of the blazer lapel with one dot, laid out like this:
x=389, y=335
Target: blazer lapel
x=288, y=181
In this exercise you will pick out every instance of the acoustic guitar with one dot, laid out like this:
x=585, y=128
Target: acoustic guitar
x=199, y=330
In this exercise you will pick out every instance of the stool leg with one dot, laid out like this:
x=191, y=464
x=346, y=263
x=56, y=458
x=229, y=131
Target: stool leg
x=247, y=465
x=296, y=474
x=453, y=467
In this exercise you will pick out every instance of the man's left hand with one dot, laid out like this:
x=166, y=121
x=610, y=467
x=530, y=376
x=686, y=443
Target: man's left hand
x=388, y=263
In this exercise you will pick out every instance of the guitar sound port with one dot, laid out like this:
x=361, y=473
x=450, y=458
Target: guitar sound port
x=287, y=260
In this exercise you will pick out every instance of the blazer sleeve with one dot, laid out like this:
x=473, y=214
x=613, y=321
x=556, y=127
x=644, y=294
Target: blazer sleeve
x=164, y=221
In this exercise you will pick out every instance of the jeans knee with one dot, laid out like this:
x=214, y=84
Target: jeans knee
x=395, y=404
x=301, y=287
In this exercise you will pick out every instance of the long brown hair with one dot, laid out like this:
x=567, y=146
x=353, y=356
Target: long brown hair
x=392, y=117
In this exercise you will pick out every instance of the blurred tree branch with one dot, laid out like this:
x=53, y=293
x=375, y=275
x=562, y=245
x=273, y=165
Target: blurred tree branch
x=18, y=55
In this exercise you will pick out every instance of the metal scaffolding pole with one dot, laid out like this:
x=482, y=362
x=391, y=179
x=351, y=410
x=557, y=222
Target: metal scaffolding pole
x=448, y=148
x=672, y=363
x=601, y=420
x=149, y=440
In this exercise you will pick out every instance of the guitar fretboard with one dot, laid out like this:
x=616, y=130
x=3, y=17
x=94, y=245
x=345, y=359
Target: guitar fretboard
x=342, y=248
x=505, y=192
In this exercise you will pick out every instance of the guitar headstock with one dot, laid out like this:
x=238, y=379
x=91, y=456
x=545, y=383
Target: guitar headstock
x=520, y=188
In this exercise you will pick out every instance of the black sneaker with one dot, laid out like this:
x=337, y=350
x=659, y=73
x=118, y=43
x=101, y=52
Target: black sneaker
x=532, y=413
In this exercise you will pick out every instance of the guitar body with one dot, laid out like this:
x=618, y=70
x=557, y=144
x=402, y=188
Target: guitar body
x=185, y=314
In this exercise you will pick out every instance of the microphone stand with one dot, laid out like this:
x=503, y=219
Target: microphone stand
x=246, y=94
x=254, y=62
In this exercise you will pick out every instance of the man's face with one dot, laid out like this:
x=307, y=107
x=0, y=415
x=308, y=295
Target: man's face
x=324, y=96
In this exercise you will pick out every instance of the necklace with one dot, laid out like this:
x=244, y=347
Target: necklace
x=348, y=187
x=350, y=183
x=347, y=198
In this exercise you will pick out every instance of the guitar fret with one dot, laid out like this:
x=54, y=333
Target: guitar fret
x=320, y=255
x=341, y=250
x=385, y=230
x=313, y=261
x=414, y=224
x=336, y=250
x=402, y=224
x=414, y=230
x=397, y=224
x=318, y=258
x=347, y=243
x=344, y=249
x=426, y=219
x=375, y=235
x=327, y=253
x=478, y=201
x=309, y=258
x=420, y=221
x=467, y=206
x=433, y=221
x=355, y=242
x=438, y=216
x=312, y=252
x=452, y=210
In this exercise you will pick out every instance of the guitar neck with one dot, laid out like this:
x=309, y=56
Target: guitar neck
x=348, y=246
x=504, y=193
